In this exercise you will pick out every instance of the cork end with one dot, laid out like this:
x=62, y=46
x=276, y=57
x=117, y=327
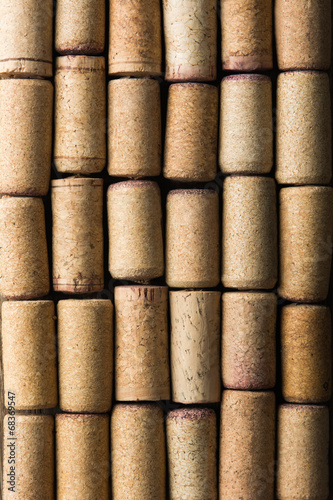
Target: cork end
x=131, y=184
x=77, y=182
x=246, y=77
x=89, y=49
x=84, y=63
x=190, y=73
x=135, y=69
x=191, y=414
x=251, y=62
x=25, y=68
x=83, y=417
x=300, y=408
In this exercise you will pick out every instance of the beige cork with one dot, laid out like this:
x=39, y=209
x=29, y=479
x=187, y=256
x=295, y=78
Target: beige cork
x=249, y=233
x=142, y=343
x=305, y=242
x=80, y=114
x=191, y=443
x=247, y=443
x=192, y=238
x=77, y=248
x=135, y=231
x=190, y=149
x=246, y=125
x=195, y=346
x=134, y=130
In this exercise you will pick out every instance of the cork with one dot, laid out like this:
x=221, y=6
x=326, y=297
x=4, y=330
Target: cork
x=82, y=456
x=191, y=445
x=85, y=353
x=190, y=32
x=134, y=128
x=77, y=216
x=24, y=271
x=142, y=343
x=303, y=126
x=26, y=108
x=248, y=340
x=135, y=231
x=246, y=125
x=247, y=443
x=192, y=238
x=302, y=452
x=195, y=346
x=80, y=114
x=138, y=452
x=190, y=148
x=249, y=233
x=135, y=47
x=305, y=242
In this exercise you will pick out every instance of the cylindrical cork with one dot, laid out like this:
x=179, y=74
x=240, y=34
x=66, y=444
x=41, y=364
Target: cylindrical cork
x=303, y=127
x=190, y=30
x=80, y=114
x=191, y=444
x=134, y=138
x=195, y=346
x=246, y=131
x=24, y=268
x=135, y=231
x=192, y=238
x=306, y=224
x=249, y=233
x=82, y=456
x=302, y=452
x=142, y=343
x=190, y=150
x=77, y=248
x=247, y=443
x=138, y=452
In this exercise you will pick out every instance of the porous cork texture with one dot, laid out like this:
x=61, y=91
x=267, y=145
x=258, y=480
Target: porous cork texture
x=191, y=445
x=26, y=108
x=134, y=128
x=190, y=148
x=85, y=355
x=190, y=30
x=246, y=125
x=77, y=243
x=80, y=114
x=141, y=343
x=195, y=346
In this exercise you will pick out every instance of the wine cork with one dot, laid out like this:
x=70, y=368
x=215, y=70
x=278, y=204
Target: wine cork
x=305, y=242
x=192, y=238
x=303, y=147
x=247, y=443
x=24, y=269
x=80, y=93
x=138, y=452
x=249, y=233
x=248, y=340
x=195, y=346
x=135, y=231
x=77, y=216
x=191, y=443
x=134, y=138
x=190, y=31
x=26, y=108
x=190, y=149
x=85, y=353
x=142, y=343
x=246, y=131
x=302, y=452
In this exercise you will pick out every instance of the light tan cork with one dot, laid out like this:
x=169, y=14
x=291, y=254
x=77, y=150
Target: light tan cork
x=135, y=231
x=302, y=452
x=134, y=128
x=77, y=244
x=306, y=220
x=80, y=114
x=191, y=444
x=247, y=443
x=246, y=125
x=195, y=346
x=249, y=233
x=141, y=343
x=190, y=149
